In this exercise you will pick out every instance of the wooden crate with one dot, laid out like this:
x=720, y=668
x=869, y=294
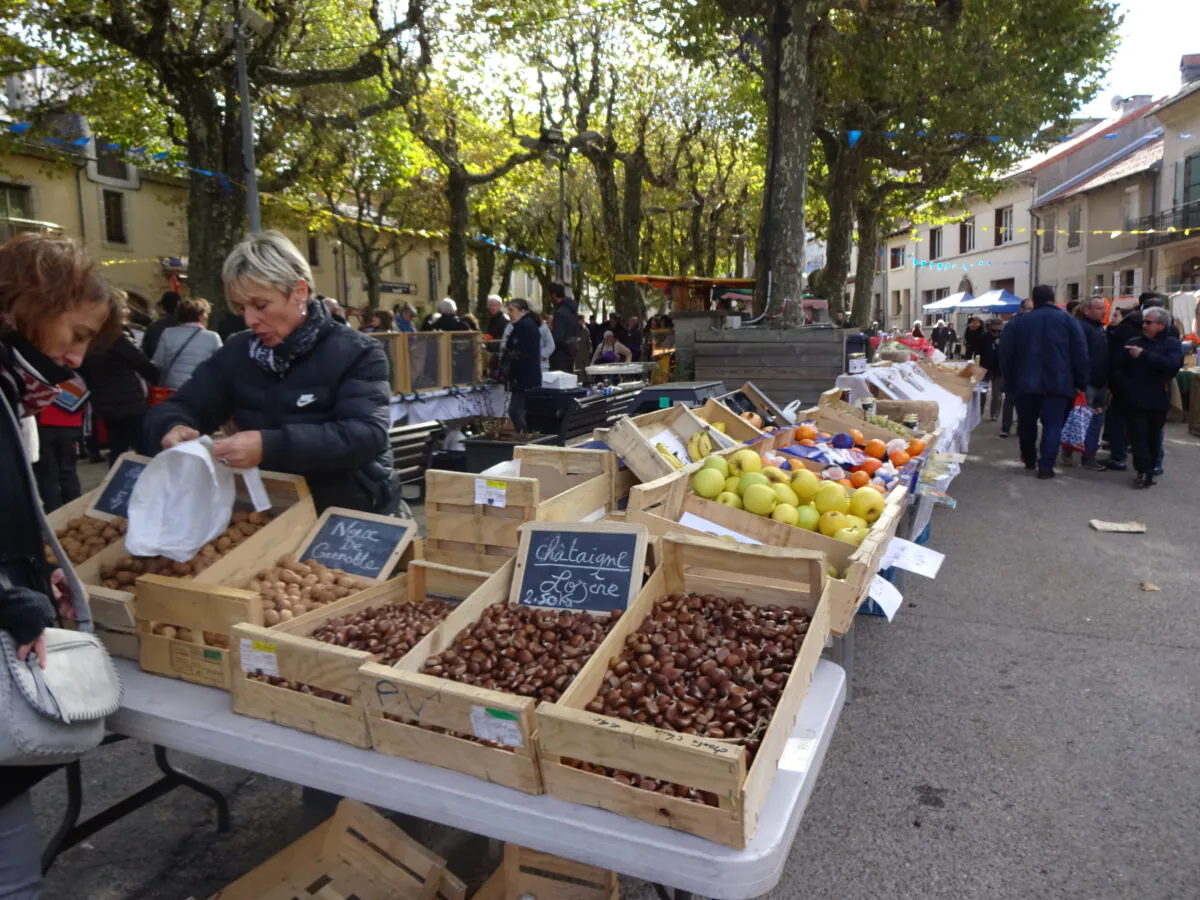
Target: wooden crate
x=529, y=873
x=958, y=380
x=303, y=659
x=748, y=398
x=402, y=691
x=357, y=853
x=927, y=412
x=736, y=427
x=474, y=535
x=462, y=358
x=577, y=461
x=832, y=415
x=419, y=360
x=784, y=577
x=634, y=439
x=659, y=505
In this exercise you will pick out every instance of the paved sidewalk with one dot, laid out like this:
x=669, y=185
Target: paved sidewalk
x=1026, y=729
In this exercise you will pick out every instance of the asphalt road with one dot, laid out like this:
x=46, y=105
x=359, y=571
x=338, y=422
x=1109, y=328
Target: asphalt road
x=1026, y=728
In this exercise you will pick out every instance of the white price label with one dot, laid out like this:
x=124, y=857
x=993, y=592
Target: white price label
x=259, y=657
x=490, y=492
x=691, y=520
x=798, y=753
x=886, y=595
x=496, y=725
x=912, y=557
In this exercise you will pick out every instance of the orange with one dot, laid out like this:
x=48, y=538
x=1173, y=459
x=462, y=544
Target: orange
x=899, y=458
x=870, y=466
x=860, y=478
x=878, y=487
x=825, y=435
x=916, y=447
x=845, y=482
x=859, y=439
x=807, y=442
x=876, y=448
x=806, y=432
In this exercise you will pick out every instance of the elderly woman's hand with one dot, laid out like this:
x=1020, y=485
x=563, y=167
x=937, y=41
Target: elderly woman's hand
x=1134, y=350
x=243, y=450
x=178, y=435
x=38, y=646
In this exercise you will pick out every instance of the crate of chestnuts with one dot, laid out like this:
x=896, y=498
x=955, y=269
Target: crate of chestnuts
x=681, y=716
x=303, y=673
x=464, y=697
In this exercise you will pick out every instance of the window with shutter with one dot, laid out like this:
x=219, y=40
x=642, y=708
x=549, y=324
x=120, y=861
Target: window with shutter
x=1049, y=227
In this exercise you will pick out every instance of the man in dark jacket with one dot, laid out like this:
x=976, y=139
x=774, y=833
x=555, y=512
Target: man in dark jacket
x=564, y=328
x=1128, y=329
x=448, y=318
x=497, y=321
x=168, y=303
x=1044, y=359
x=1144, y=371
x=1091, y=316
x=117, y=376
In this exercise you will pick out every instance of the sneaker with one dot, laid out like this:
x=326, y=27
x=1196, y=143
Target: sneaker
x=1158, y=470
x=1068, y=457
x=1093, y=465
x=1143, y=480
x=1030, y=466
x=1114, y=466
x=1003, y=432
x=1044, y=474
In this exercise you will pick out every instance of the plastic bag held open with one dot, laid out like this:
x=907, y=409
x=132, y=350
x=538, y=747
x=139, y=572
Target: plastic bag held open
x=182, y=500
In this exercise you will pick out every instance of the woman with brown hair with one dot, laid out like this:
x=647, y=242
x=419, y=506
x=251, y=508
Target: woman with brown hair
x=53, y=306
x=184, y=346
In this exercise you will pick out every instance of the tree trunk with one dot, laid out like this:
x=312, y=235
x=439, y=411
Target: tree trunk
x=458, y=191
x=781, y=240
x=372, y=276
x=845, y=172
x=621, y=216
x=215, y=207
x=864, y=272
x=506, y=270
x=485, y=261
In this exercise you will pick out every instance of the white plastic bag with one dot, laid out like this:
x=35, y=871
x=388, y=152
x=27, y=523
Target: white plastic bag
x=182, y=500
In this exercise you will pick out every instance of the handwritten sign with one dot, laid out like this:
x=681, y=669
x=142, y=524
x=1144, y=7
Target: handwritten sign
x=463, y=355
x=577, y=566
x=112, y=497
x=358, y=543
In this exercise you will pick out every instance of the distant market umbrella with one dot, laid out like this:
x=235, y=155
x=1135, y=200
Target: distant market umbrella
x=998, y=301
x=947, y=303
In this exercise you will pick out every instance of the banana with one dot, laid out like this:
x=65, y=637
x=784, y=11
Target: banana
x=705, y=443
x=668, y=456
x=693, y=446
x=720, y=426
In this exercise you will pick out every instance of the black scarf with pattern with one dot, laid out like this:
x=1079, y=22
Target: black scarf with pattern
x=279, y=358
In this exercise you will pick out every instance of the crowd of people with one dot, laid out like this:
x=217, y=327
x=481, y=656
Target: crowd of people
x=1046, y=360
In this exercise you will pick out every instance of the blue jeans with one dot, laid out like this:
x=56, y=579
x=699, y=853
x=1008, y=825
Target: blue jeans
x=1052, y=411
x=20, y=850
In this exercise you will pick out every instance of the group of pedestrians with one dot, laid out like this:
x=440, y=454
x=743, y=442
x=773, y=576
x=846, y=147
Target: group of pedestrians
x=1045, y=360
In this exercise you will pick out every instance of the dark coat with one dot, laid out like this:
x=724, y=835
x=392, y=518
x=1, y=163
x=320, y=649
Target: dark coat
x=979, y=342
x=326, y=418
x=25, y=607
x=1146, y=381
x=1097, y=343
x=497, y=324
x=451, y=322
x=112, y=375
x=523, y=353
x=1044, y=352
x=564, y=328
x=154, y=331
x=1124, y=332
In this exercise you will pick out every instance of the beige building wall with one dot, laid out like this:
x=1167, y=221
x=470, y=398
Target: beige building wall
x=1179, y=119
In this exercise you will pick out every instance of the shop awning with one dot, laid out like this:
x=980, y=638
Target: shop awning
x=1115, y=258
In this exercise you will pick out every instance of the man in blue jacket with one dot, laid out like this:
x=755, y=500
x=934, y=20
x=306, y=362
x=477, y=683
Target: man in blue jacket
x=1044, y=358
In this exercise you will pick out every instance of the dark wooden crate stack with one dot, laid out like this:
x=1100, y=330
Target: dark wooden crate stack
x=786, y=364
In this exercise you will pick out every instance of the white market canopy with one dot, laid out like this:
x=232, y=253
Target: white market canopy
x=947, y=303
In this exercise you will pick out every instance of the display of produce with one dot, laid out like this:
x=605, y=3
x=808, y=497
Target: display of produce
x=701, y=665
x=522, y=650
x=123, y=573
x=292, y=588
x=84, y=537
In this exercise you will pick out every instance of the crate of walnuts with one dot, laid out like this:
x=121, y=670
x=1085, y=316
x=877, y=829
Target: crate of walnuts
x=291, y=566
x=303, y=673
x=681, y=716
x=464, y=697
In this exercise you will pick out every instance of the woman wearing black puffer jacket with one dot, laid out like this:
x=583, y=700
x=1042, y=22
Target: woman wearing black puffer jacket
x=53, y=304
x=307, y=395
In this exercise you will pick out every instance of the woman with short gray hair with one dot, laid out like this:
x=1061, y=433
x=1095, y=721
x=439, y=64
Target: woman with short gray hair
x=1146, y=368
x=307, y=395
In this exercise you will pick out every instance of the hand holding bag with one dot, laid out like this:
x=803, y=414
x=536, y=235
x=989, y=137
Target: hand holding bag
x=1075, y=431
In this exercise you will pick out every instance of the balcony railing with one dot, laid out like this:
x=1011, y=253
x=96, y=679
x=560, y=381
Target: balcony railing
x=1170, y=225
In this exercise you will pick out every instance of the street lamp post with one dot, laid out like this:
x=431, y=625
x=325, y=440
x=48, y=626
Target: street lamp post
x=242, y=20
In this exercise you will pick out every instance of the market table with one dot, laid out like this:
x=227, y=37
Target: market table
x=198, y=720
x=448, y=403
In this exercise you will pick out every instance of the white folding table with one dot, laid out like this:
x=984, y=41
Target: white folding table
x=199, y=720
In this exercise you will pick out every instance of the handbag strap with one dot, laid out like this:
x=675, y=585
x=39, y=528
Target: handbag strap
x=79, y=599
x=179, y=352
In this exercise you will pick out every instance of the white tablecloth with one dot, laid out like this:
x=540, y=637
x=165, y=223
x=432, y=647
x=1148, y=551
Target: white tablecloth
x=456, y=403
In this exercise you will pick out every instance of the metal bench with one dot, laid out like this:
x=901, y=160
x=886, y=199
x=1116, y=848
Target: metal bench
x=412, y=451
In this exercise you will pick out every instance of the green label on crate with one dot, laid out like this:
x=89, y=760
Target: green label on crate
x=497, y=725
x=501, y=714
x=213, y=655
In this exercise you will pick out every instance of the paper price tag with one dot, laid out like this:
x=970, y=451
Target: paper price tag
x=496, y=725
x=912, y=557
x=886, y=595
x=691, y=520
x=798, y=753
x=490, y=492
x=259, y=657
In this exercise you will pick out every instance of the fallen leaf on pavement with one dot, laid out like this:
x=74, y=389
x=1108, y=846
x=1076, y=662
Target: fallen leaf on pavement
x=1150, y=586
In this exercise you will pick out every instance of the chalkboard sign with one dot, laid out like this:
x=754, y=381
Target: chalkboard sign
x=358, y=543
x=579, y=566
x=463, y=356
x=112, y=497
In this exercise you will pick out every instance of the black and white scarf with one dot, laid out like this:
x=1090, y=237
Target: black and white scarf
x=30, y=379
x=279, y=359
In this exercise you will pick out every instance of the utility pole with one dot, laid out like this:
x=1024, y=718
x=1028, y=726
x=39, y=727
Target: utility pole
x=251, y=177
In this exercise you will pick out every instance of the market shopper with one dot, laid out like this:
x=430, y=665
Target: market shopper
x=1126, y=328
x=305, y=394
x=183, y=347
x=119, y=374
x=497, y=320
x=564, y=328
x=1091, y=317
x=166, y=319
x=636, y=338
x=1144, y=371
x=522, y=359
x=404, y=319
x=448, y=318
x=1043, y=357
x=53, y=306
x=943, y=336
